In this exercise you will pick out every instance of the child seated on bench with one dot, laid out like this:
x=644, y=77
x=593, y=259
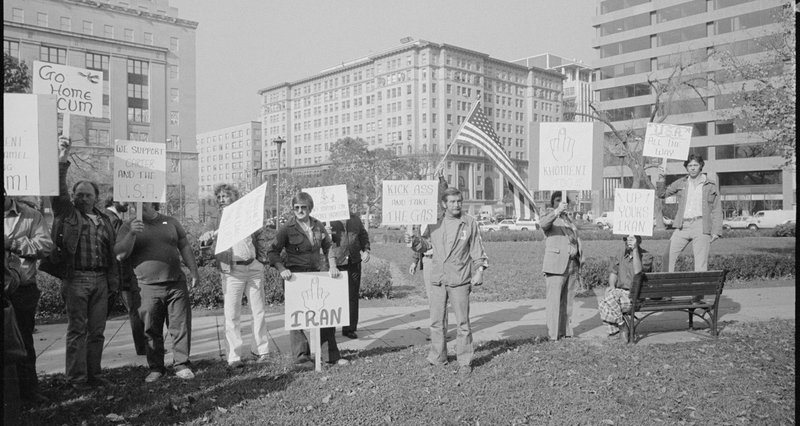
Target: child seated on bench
x=632, y=262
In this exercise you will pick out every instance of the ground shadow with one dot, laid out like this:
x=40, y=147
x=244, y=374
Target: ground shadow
x=487, y=351
x=679, y=321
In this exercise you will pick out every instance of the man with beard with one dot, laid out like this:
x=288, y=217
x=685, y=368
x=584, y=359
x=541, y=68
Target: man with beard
x=129, y=288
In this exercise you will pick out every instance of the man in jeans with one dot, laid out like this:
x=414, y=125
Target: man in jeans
x=85, y=240
x=457, y=264
x=155, y=245
x=26, y=236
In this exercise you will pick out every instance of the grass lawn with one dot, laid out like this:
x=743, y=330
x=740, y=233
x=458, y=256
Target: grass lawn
x=515, y=267
x=747, y=376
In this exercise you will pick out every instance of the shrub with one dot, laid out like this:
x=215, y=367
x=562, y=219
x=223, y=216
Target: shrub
x=208, y=292
x=51, y=301
x=785, y=230
x=506, y=235
x=376, y=279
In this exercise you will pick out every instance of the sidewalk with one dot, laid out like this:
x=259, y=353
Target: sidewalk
x=408, y=326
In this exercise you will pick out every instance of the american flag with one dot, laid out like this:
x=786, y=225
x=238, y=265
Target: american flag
x=478, y=131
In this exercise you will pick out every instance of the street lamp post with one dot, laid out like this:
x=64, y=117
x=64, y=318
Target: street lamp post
x=181, y=208
x=278, y=141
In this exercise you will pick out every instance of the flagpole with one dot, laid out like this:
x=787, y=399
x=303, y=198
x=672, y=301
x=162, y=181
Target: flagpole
x=460, y=127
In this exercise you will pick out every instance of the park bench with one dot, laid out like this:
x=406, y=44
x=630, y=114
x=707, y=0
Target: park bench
x=691, y=292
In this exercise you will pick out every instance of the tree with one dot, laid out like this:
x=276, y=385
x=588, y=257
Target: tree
x=16, y=75
x=684, y=83
x=764, y=104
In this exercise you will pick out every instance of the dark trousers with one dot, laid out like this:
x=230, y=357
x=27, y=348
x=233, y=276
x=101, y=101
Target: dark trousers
x=12, y=405
x=301, y=352
x=25, y=300
x=354, y=286
x=168, y=301
x=132, y=299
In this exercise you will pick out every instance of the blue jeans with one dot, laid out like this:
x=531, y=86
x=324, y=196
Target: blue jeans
x=459, y=296
x=170, y=302
x=86, y=297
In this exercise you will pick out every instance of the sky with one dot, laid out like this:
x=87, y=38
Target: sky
x=249, y=45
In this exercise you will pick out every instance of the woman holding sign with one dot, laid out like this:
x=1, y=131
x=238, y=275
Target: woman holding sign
x=301, y=239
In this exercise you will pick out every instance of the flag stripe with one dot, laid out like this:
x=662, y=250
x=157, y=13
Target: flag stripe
x=493, y=152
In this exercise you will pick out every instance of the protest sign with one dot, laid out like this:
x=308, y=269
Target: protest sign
x=667, y=141
x=565, y=156
x=315, y=300
x=633, y=211
x=30, y=144
x=407, y=202
x=78, y=91
x=140, y=171
x=330, y=202
x=242, y=218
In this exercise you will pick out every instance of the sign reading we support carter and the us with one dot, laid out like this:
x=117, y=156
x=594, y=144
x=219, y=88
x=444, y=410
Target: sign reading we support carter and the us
x=78, y=91
x=140, y=171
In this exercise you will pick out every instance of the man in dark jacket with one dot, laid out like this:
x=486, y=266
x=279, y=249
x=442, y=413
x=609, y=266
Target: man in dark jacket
x=85, y=237
x=350, y=248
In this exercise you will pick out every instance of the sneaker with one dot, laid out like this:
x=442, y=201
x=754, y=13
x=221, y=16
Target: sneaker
x=153, y=376
x=185, y=374
x=264, y=359
x=350, y=334
x=340, y=361
x=234, y=364
x=465, y=371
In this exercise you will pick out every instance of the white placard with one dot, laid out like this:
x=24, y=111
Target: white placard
x=565, y=156
x=633, y=211
x=140, y=171
x=242, y=218
x=315, y=300
x=30, y=144
x=79, y=91
x=330, y=202
x=667, y=141
x=409, y=202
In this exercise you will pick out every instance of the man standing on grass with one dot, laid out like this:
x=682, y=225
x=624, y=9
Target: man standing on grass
x=26, y=237
x=457, y=264
x=129, y=288
x=154, y=246
x=350, y=247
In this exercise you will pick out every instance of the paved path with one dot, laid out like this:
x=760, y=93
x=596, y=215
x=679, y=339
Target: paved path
x=407, y=326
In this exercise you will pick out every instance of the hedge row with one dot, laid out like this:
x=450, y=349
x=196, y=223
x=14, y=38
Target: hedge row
x=376, y=282
x=742, y=267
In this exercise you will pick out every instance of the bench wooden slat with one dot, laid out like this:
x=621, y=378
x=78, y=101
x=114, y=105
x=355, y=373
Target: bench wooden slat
x=675, y=280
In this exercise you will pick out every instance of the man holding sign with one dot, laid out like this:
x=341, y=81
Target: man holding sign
x=84, y=238
x=458, y=263
x=302, y=238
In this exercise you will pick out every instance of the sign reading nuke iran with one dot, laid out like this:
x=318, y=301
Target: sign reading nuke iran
x=79, y=91
x=140, y=171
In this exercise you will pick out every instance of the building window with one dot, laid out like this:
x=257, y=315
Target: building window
x=66, y=23
x=18, y=15
x=100, y=63
x=609, y=6
x=128, y=34
x=148, y=39
x=625, y=24
x=53, y=55
x=174, y=44
x=174, y=117
x=749, y=150
x=173, y=72
x=98, y=137
x=138, y=91
x=769, y=177
x=720, y=4
x=724, y=127
x=681, y=10
x=11, y=48
x=174, y=95
x=682, y=34
x=41, y=19
x=627, y=46
x=88, y=27
x=108, y=31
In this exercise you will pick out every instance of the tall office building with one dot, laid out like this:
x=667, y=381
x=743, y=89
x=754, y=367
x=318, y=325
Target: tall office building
x=147, y=56
x=412, y=100
x=641, y=39
x=231, y=155
x=578, y=93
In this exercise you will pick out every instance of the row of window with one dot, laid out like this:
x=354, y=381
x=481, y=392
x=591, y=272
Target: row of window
x=608, y=6
x=65, y=24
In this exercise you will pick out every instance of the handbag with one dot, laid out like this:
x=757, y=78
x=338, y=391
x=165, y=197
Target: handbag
x=13, y=346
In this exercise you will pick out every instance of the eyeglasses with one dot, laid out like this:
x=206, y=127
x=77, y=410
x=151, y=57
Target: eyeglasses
x=299, y=208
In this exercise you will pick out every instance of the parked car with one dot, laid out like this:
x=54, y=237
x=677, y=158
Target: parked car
x=605, y=221
x=738, y=222
x=511, y=225
x=771, y=218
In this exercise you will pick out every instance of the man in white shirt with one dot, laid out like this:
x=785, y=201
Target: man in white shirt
x=242, y=268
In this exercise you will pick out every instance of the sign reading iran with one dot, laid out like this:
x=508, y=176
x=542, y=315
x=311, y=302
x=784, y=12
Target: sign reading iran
x=240, y=219
x=315, y=300
x=330, y=202
x=30, y=150
x=79, y=91
x=565, y=156
x=407, y=202
x=633, y=211
x=140, y=171
x=667, y=141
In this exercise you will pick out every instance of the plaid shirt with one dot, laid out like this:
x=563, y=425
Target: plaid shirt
x=93, y=245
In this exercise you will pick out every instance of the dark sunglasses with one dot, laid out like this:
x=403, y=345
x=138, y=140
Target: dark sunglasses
x=298, y=208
